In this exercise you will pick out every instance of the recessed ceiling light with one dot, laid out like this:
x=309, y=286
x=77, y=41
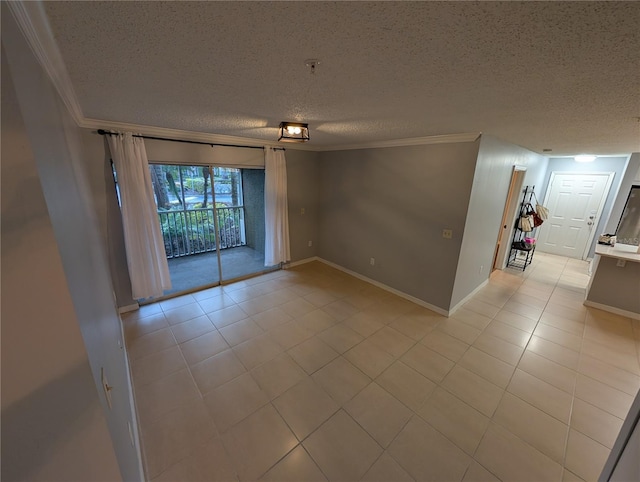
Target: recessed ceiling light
x=585, y=158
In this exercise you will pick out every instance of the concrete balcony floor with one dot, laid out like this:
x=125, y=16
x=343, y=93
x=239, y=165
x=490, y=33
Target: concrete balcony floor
x=198, y=270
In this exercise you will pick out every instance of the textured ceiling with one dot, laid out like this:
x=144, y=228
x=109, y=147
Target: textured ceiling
x=557, y=75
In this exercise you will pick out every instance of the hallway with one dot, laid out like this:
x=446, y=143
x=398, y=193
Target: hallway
x=312, y=374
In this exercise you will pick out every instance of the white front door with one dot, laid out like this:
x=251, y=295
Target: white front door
x=575, y=202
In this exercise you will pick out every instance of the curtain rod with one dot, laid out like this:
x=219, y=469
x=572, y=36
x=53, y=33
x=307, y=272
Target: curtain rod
x=103, y=132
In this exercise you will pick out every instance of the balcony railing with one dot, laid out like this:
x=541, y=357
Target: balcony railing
x=192, y=231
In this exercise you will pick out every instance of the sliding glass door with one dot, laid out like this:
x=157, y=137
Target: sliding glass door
x=245, y=214
x=210, y=234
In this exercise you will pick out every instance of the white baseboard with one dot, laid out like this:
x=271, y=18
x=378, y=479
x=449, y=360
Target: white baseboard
x=468, y=297
x=612, y=309
x=399, y=293
x=128, y=308
x=292, y=264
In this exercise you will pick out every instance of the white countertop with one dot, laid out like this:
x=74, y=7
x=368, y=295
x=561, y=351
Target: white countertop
x=619, y=251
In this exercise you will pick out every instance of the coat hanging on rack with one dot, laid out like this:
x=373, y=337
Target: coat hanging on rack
x=527, y=218
x=523, y=244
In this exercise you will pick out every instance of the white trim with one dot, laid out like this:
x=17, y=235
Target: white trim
x=401, y=294
x=292, y=264
x=128, y=308
x=468, y=297
x=620, y=154
x=247, y=141
x=412, y=141
x=612, y=309
x=34, y=24
x=603, y=201
x=178, y=134
x=511, y=204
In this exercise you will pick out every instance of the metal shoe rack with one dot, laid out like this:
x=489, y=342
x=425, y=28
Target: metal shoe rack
x=520, y=256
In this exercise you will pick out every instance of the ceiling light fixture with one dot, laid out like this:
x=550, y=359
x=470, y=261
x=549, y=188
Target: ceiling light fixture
x=293, y=132
x=585, y=158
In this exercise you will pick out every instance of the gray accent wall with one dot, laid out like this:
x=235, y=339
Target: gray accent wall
x=253, y=194
x=60, y=289
x=303, y=192
x=492, y=177
x=615, y=286
x=392, y=204
x=616, y=165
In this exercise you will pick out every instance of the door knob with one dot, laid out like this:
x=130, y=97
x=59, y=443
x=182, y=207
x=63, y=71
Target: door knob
x=591, y=217
x=589, y=223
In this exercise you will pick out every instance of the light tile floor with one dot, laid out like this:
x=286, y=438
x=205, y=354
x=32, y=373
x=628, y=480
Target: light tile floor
x=310, y=374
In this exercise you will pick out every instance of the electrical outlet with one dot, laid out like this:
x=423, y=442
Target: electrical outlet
x=621, y=263
x=310, y=243
x=447, y=233
x=301, y=210
x=372, y=261
x=481, y=268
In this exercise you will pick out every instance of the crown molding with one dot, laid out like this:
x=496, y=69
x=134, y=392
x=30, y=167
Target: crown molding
x=179, y=134
x=412, y=141
x=34, y=24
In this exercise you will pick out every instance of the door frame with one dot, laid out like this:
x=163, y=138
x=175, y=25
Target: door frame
x=508, y=216
x=603, y=201
x=221, y=281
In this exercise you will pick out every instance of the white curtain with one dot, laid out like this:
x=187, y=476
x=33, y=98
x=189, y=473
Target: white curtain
x=276, y=246
x=146, y=258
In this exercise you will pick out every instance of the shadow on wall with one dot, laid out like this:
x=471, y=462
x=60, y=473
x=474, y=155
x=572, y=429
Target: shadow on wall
x=17, y=215
x=37, y=428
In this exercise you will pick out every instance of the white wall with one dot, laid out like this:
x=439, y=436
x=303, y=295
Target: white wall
x=99, y=175
x=486, y=206
x=57, y=149
x=53, y=425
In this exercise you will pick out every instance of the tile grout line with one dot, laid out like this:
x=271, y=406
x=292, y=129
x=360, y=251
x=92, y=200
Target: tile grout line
x=398, y=358
x=491, y=419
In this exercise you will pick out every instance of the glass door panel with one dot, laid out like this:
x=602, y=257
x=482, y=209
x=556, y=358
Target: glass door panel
x=212, y=223
x=184, y=199
x=240, y=206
